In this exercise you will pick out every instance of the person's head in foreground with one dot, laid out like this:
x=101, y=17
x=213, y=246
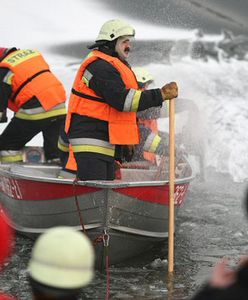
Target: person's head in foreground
x=115, y=38
x=61, y=264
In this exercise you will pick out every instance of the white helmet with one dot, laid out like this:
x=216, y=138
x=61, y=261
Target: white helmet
x=62, y=258
x=113, y=29
x=142, y=75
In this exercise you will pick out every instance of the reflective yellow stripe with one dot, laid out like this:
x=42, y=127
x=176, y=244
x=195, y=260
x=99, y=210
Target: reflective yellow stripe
x=87, y=77
x=91, y=141
x=13, y=158
x=155, y=143
x=8, y=78
x=63, y=147
x=89, y=55
x=40, y=109
x=40, y=116
x=17, y=57
x=85, y=80
x=63, y=143
x=91, y=148
x=136, y=99
x=129, y=100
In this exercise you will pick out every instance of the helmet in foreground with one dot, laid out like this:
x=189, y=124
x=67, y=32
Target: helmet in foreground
x=62, y=258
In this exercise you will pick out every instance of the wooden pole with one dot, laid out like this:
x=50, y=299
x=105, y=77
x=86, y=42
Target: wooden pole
x=171, y=185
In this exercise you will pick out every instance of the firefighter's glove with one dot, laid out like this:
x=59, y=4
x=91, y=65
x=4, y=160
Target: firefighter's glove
x=169, y=91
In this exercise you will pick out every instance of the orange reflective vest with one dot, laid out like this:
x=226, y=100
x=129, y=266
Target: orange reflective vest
x=32, y=77
x=123, y=128
x=71, y=162
x=153, y=125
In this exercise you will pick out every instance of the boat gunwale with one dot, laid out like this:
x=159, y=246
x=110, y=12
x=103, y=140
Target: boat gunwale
x=91, y=183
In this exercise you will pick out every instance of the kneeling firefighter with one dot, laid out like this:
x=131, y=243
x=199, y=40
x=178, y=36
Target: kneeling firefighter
x=33, y=92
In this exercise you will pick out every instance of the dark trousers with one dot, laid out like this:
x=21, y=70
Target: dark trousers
x=94, y=168
x=19, y=132
x=63, y=155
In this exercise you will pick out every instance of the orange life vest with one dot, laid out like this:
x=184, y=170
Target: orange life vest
x=32, y=77
x=71, y=162
x=153, y=125
x=123, y=128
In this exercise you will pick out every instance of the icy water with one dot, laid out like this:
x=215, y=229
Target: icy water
x=210, y=225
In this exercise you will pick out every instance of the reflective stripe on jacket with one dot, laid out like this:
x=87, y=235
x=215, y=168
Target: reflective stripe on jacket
x=152, y=143
x=87, y=145
x=32, y=77
x=11, y=156
x=39, y=113
x=62, y=145
x=122, y=125
x=92, y=145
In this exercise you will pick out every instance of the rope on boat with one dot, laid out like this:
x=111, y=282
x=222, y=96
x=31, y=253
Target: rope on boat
x=106, y=254
x=77, y=205
x=104, y=238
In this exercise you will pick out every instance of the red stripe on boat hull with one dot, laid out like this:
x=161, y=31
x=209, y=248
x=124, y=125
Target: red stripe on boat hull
x=21, y=189
x=155, y=194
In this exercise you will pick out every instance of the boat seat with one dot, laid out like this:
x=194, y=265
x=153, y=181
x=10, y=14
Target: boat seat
x=140, y=175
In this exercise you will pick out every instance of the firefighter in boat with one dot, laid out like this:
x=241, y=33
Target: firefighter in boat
x=104, y=102
x=154, y=143
x=147, y=120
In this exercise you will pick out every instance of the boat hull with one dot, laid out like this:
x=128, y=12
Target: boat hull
x=133, y=215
